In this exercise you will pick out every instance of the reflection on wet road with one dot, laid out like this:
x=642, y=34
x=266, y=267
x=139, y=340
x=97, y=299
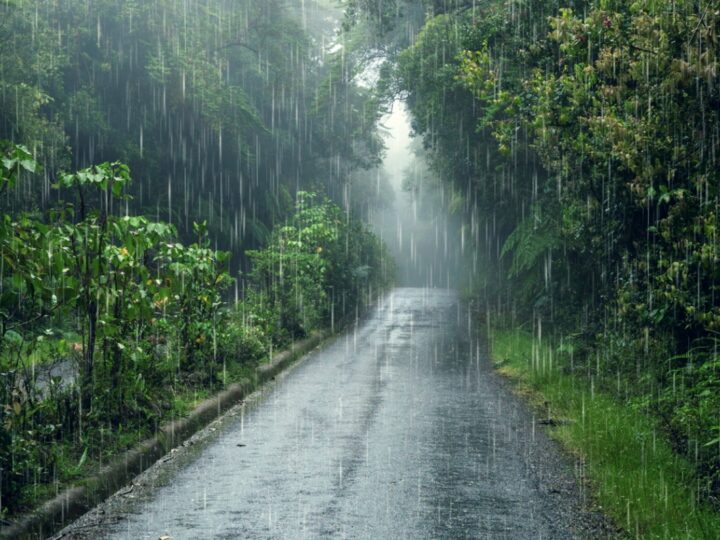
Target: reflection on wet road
x=396, y=429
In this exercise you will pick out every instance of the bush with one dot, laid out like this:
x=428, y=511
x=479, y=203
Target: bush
x=243, y=344
x=320, y=266
x=142, y=317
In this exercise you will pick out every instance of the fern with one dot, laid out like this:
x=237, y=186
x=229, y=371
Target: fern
x=530, y=241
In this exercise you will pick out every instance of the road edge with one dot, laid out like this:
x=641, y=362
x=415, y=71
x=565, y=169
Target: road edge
x=76, y=500
x=630, y=505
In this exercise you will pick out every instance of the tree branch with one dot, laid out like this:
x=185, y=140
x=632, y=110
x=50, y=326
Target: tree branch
x=237, y=44
x=641, y=49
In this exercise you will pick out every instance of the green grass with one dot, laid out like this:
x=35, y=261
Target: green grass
x=186, y=400
x=104, y=444
x=638, y=480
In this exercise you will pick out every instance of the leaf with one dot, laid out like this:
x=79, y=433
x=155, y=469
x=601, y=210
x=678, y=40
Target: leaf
x=200, y=228
x=716, y=440
x=29, y=165
x=13, y=338
x=117, y=188
x=529, y=242
x=83, y=459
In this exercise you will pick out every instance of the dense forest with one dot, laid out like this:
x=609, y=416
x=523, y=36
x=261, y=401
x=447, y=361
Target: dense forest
x=574, y=146
x=199, y=232
x=580, y=141
x=244, y=97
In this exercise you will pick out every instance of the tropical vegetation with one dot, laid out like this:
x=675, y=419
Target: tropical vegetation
x=139, y=320
x=582, y=139
x=123, y=302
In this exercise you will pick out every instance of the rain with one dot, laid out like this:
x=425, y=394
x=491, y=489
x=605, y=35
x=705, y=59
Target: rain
x=359, y=269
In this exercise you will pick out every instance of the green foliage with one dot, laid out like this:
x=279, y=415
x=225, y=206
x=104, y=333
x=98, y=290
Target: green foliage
x=579, y=141
x=120, y=279
x=191, y=298
x=211, y=114
x=133, y=317
x=534, y=244
x=639, y=481
x=222, y=116
x=532, y=240
x=320, y=266
x=245, y=343
x=16, y=158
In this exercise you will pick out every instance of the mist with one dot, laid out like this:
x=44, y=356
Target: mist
x=420, y=232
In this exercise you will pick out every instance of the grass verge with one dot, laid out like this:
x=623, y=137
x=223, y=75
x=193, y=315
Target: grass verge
x=643, y=485
x=76, y=487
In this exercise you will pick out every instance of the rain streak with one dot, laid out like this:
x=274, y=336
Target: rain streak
x=359, y=269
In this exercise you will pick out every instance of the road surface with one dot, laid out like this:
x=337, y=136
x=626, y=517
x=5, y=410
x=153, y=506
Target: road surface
x=397, y=428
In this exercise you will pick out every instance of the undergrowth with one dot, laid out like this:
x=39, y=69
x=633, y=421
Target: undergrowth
x=638, y=480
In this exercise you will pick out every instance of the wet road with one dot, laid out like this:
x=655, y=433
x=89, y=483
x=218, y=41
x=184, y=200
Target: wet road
x=396, y=429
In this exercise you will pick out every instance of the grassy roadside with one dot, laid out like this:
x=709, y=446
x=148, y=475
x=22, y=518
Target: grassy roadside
x=89, y=482
x=73, y=468
x=638, y=480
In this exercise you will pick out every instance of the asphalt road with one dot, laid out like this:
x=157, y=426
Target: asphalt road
x=398, y=428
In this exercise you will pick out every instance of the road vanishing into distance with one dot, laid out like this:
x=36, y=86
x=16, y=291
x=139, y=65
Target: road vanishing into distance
x=397, y=428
